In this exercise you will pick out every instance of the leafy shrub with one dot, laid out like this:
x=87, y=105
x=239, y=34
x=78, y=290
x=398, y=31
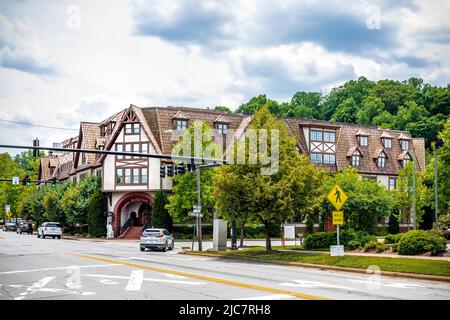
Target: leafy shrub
x=419, y=241
x=444, y=221
x=373, y=245
x=393, y=238
x=96, y=214
x=354, y=244
x=350, y=239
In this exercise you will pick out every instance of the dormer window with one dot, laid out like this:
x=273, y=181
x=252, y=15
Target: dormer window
x=180, y=124
x=381, y=161
x=102, y=131
x=222, y=128
x=406, y=159
x=356, y=160
x=404, y=144
x=363, y=141
x=387, y=143
x=132, y=128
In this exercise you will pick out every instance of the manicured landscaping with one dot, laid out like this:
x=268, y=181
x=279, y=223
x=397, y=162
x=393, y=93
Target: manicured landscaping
x=406, y=265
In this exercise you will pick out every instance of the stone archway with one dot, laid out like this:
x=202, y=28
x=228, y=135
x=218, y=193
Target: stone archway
x=137, y=202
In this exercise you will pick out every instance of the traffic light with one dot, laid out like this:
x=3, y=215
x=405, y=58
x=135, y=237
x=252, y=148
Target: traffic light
x=36, y=144
x=170, y=170
x=53, y=183
x=181, y=169
x=162, y=171
x=26, y=181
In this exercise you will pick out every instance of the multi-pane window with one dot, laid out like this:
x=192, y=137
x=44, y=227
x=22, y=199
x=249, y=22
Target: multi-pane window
x=222, y=128
x=316, y=157
x=392, y=183
x=119, y=148
x=381, y=161
x=128, y=149
x=356, y=159
x=329, y=136
x=388, y=143
x=316, y=135
x=363, y=141
x=181, y=124
x=329, y=158
x=131, y=176
x=404, y=144
x=132, y=128
x=119, y=176
x=133, y=148
x=144, y=148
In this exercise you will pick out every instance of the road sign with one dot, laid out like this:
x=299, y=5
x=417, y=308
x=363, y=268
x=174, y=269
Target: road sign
x=337, y=251
x=195, y=214
x=7, y=208
x=338, y=217
x=337, y=197
x=15, y=181
x=8, y=216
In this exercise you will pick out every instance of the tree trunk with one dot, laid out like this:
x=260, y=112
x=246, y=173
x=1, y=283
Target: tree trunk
x=241, y=242
x=267, y=233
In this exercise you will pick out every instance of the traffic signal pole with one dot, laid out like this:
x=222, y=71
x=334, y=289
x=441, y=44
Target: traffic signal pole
x=198, y=217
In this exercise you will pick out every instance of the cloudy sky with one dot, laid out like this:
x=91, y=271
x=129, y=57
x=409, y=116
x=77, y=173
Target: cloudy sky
x=62, y=62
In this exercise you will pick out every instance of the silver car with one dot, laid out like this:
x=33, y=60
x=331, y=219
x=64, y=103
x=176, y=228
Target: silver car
x=49, y=229
x=157, y=239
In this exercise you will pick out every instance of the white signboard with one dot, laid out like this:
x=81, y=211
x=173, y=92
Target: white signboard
x=15, y=181
x=337, y=251
x=289, y=232
x=7, y=208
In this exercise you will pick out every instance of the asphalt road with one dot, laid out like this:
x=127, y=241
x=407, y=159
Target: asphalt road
x=32, y=268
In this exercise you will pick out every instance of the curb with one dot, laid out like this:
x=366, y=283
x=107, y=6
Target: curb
x=326, y=267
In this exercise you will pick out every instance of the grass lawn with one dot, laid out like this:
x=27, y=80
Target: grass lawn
x=407, y=265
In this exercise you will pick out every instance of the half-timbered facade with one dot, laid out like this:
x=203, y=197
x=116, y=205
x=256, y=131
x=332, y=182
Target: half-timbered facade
x=131, y=181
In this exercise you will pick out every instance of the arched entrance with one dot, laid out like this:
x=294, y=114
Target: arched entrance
x=132, y=210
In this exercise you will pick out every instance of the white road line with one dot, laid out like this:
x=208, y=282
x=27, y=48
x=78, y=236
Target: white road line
x=35, y=287
x=311, y=284
x=135, y=282
x=145, y=279
x=402, y=285
x=60, y=268
x=269, y=297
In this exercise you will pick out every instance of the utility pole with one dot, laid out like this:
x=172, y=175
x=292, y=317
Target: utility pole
x=198, y=216
x=414, y=192
x=436, y=202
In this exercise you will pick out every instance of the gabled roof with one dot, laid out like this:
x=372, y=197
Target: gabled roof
x=353, y=150
x=386, y=135
x=221, y=119
x=180, y=115
x=379, y=152
x=361, y=132
x=403, y=154
x=403, y=136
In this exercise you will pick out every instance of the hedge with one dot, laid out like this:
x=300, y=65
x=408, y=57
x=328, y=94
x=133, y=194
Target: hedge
x=419, y=241
x=351, y=239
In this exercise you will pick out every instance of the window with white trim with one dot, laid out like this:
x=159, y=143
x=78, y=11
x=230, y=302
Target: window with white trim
x=356, y=160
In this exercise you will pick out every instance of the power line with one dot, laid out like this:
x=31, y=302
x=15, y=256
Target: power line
x=37, y=125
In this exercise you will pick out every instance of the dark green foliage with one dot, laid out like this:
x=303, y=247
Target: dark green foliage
x=321, y=240
x=393, y=238
x=419, y=241
x=97, y=214
x=393, y=226
x=373, y=246
x=160, y=215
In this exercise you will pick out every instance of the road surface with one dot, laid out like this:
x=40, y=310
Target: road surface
x=32, y=268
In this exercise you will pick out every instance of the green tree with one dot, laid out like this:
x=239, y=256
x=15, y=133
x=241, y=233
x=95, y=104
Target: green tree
x=393, y=94
x=270, y=199
x=96, y=205
x=345, y=112
x=222, y=108
x=384, y=120
x=304, y=105
x=368, y=202
x=160, y=215
x=371, y=107
x=184, y=195
x=256, y=103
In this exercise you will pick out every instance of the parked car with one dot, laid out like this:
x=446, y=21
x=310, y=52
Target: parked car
x=25, y=227
x=50, y=229
x=9, y=227
x=157, y=239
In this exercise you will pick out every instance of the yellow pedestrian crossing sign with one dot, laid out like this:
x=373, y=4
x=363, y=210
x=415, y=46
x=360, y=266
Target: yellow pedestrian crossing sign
x=338, y=217
x=337, y=197
x=8, y=216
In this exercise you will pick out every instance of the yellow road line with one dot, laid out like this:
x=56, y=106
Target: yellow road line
x=207, y=278
x=1, y=238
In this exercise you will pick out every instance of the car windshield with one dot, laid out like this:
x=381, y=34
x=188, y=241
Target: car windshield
x=53, y=225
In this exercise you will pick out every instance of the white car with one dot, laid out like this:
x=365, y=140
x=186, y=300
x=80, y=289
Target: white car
x=50, y=229
x=157, y=239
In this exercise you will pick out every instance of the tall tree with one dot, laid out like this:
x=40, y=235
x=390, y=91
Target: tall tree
x=160, y=215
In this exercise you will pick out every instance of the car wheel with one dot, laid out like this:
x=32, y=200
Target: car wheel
x=142, y=249
x=164, y=249
x=38, y=235
x=43, y=236
x=59, y=237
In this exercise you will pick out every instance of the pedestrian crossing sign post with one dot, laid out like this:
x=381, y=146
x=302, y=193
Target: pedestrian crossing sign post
x=337, y=198
x=338, y=217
